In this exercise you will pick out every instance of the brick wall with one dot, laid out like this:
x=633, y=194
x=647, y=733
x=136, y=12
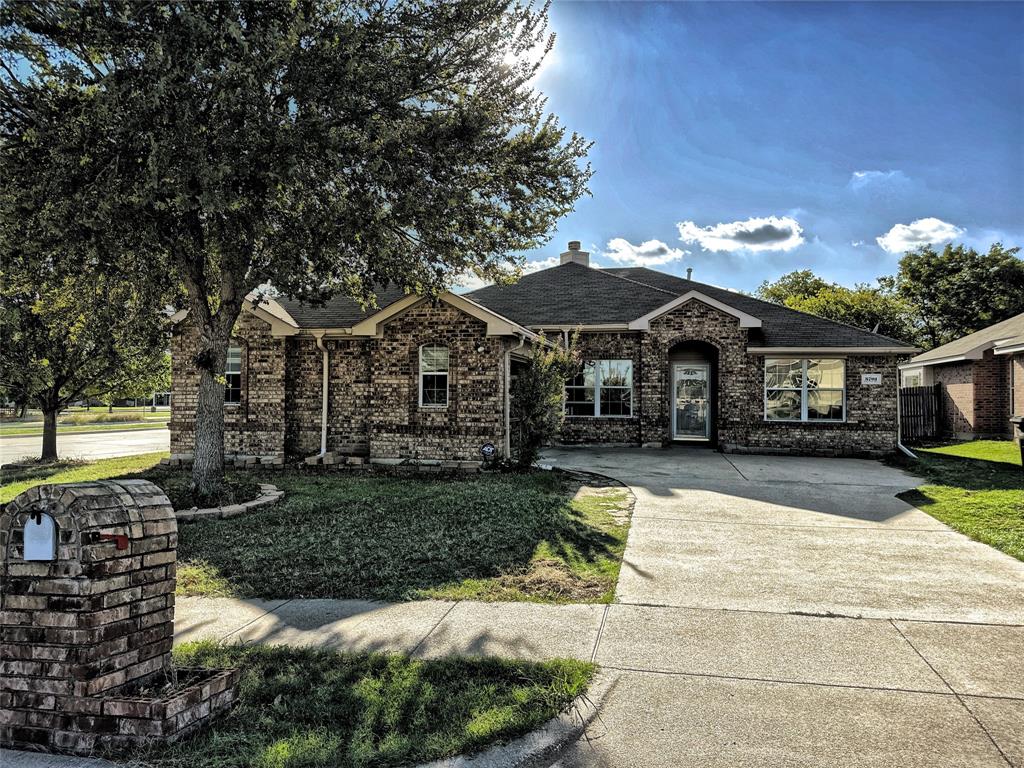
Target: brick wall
x=254, y=426
x=1017, y=371
x=607, y=429
x=739, y=422
x=976, y=396
x=399, y=426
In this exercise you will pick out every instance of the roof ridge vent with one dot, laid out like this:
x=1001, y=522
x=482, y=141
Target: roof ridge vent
x=574, y=255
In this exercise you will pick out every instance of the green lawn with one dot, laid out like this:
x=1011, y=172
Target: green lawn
x=538, y=537
x=238, y=486
x=493, y=537
x=27, y=430
x=305, y=708
x=976, y=488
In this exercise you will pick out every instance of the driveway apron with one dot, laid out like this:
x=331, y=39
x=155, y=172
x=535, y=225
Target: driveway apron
x=782, y=611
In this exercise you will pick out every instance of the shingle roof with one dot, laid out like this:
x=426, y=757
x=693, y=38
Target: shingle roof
x=1008, y=332
x=339, y=312
x=572, y=294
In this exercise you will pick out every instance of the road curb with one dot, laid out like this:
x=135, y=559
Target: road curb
x=542, y=746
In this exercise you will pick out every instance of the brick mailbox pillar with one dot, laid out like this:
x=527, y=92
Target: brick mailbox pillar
x=87, y=622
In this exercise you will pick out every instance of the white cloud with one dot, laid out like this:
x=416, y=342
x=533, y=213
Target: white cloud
x=774, y=233
x=468, y=281
x=863, y=180
x=856, y=243
x=907, y=237
x=650, y=253
x=537, y=266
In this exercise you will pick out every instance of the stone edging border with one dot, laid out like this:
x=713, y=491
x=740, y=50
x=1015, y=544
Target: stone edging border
x=542, y=746
x=269, y=494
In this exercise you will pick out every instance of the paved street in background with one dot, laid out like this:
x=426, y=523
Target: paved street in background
x=96, y=445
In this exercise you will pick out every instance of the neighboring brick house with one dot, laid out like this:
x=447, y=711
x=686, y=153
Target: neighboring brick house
x=981, y=377
x=667, y=360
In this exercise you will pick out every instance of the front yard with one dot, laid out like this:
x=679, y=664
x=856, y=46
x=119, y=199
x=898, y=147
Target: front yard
x=976, y=488
x=307, y=708
x=537, y=537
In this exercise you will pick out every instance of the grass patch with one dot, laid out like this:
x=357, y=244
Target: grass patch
x=238, y=486
x=28, y=430
x=974, y=488
x=493, y=537
x=532, y=537
x=309, y=708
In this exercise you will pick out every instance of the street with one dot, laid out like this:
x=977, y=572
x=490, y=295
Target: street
x=97, y=445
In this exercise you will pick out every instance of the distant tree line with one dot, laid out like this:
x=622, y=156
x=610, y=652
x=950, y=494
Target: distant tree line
x=934, y=298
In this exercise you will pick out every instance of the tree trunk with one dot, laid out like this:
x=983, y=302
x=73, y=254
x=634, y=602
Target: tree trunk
x=24, y=411
x=208, y=456
x=49, y=435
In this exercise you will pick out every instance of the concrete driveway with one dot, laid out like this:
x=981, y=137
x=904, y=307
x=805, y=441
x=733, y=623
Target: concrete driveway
x=778, y=611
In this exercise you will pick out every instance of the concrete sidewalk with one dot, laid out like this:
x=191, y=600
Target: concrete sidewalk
x=706, y=687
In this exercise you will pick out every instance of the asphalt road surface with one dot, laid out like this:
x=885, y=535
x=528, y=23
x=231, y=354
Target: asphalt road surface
x=95, y=445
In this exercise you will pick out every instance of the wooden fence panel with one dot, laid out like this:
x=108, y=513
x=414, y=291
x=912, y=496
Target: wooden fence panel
x=921, y=413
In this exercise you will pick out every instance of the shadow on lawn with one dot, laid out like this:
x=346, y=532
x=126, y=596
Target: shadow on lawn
x=393, y=539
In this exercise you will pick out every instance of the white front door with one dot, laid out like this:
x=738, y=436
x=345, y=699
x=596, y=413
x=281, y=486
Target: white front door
x=691, y=401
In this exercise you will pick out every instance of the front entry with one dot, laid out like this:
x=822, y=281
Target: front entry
x=691, y=401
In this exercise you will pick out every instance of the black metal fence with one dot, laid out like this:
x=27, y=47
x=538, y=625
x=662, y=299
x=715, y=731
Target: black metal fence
x=920, y=413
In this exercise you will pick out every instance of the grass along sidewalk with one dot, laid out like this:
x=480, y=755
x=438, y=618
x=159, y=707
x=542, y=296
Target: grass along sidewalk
x=538, y=537
x=976, y=488
x=314, y=708
x=239, y=486
x=22, y=430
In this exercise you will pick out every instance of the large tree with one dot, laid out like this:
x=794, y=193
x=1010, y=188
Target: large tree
x=864, y=306
x=63, y=336
x=960, y=291
x=320, y=146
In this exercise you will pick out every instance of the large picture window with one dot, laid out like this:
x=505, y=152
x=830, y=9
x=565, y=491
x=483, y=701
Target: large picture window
x=804, y=390
x=233, y=376
x=433, y=375
x=602, y=388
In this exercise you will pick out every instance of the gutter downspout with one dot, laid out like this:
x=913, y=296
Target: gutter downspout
x=508, y=395
x=323, y=389
x=899, y=421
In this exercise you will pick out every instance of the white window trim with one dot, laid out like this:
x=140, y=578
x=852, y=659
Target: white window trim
x=447, y=377
x=803, y=390
x=597, y=393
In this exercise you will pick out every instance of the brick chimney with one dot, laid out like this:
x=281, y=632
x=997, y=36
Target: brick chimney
x=575, y=255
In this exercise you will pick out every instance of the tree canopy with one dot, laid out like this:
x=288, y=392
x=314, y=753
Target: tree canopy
x=322, y=147
x=959, y=291
x=864, y=306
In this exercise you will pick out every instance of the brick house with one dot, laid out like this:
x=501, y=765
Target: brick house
x=667, y=360
x=981, y=378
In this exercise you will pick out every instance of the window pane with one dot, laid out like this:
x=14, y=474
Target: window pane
x=783, y=373
x=433, y=359
x=233, y=388
x=782, y=404
x=435, y=389
x=616, y=401
x=825, y=374
x=825, y=404
x=616, y=373
x=234, y=361
x=579, y=401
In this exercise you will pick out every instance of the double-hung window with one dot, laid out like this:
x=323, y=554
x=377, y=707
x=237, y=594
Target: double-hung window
x=602, y=388
x=233, y=376
x=804, y=390
x=433, y=375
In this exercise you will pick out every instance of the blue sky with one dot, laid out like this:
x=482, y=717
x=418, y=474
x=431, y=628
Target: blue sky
x=748, y=140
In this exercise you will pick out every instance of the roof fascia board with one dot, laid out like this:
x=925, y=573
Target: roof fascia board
x=1009, y=349
x=274, y=315
x=595, y=327
x=972, y=354
x=831, y=350
x=644, y=323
